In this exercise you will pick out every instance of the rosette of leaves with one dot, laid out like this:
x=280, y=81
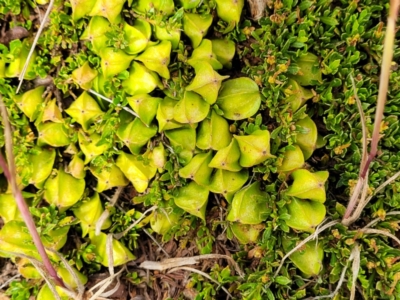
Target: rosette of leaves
x=225, y=50
x=254, y=148
x=309, y=259
x=157, y=58
x=84, y=110
x=227, y=158
x=138, y=36
x=15, y=238
x=121, y=254
x=307, y=185
x=30, y=102
x=76, y=167
x=51, y=112
x=19, y=58
x=162, y=221
x=197, y=169
x=52, y=134
x=108, y=177
x=239, y=98
x=8, y=207
x=90, y=146
x=183, y=140
x=141, y=80
x=191, y=109
x=196, y=26
x=227, y=183
x=296, y=95
x=63, y=190
x=84, y=76
x=206, y=83
x=134, y=133
x=114, y=61
x=145, y=106
x=193, y=199
x=95, y=32
x=249, y=205
x=108, y=9
x=165, y=115
x=305, y=215
x=230, y=11
x=309, y=70
x=81, y=8
x=41, y=162
x=307, y=137
x=158, y=156
x=45, y=293
x=26, y=269
x=293, y=158
x=89, y=213
x=164, y=7
x=189, y=4
x=245, y=233
x=213, y=133
x=138, y=170
x=172, y=35
x=204, y=53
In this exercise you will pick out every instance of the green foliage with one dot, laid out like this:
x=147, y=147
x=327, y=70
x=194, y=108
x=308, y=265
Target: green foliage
x=306, y=48
x=22, y=290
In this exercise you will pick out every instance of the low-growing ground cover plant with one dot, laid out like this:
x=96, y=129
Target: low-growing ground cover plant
x=201, y=143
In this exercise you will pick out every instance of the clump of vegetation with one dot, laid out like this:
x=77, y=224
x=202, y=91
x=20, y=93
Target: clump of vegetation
x=192, y=126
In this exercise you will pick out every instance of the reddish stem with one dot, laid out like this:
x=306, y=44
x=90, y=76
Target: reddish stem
x=383, y=89
x=9, y=172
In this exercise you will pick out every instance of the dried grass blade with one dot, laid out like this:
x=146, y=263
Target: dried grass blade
x=21, y=76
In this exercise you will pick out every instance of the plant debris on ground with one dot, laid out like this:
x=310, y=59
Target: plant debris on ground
x=196, y=149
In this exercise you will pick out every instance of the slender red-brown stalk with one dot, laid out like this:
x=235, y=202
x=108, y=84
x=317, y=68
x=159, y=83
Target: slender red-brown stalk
x=9, y=172
x=382, y=94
